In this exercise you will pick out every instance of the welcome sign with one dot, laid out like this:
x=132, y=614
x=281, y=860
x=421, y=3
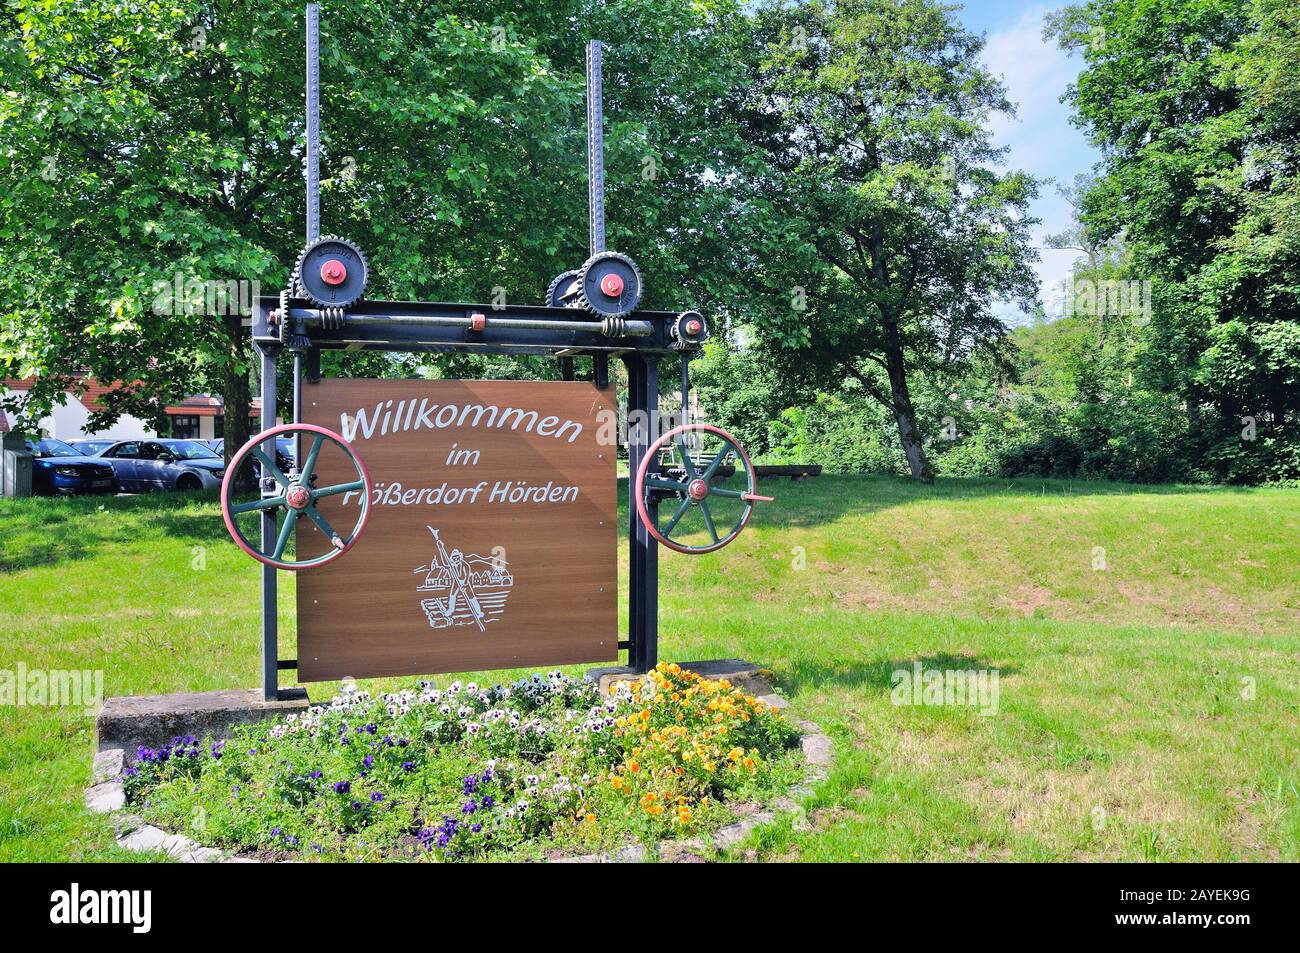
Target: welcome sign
x=492, y=533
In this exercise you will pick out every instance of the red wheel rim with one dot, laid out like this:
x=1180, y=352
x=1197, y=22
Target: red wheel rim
x=639, y=489
x=228, y=480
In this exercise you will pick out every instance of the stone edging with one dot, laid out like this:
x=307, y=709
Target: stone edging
x=106, y=796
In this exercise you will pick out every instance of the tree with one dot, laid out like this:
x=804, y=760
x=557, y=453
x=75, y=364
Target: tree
x=148, y=146
x=1195, y=107
x=1078, y=236
x=879, y=229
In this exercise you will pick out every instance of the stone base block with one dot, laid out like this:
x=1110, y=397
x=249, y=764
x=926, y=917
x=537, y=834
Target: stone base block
x=129, y=721
x=744, y=675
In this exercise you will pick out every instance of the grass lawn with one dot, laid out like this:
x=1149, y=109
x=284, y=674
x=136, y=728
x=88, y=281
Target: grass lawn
x=1146, y=641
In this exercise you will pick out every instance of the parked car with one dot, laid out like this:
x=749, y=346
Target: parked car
x=142, y=465
x=283, y=451
x=58, y=468
x=91, y=446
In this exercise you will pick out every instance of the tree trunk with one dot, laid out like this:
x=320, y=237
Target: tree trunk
x=904, y=413
x=236, y=395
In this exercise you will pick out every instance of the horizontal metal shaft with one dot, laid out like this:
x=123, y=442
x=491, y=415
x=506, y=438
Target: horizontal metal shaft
x=611, y=327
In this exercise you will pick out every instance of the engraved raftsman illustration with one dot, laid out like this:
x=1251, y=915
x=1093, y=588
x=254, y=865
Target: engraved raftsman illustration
x=464, y=588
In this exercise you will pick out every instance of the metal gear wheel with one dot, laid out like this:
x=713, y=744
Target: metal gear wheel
x=609, y=285
x=331, y=272
x=558, y=286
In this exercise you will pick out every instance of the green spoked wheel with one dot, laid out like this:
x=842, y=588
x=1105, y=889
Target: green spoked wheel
x=291, y=495
x=705, y=495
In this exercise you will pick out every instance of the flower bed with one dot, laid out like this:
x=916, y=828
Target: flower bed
x=466, y=772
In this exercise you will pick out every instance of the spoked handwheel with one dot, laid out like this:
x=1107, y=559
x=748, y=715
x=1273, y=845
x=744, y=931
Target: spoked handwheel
x=294, y=496
x=709, y=488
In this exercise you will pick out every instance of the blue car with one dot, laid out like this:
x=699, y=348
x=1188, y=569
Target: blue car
x=142, y=465
x=58, y=468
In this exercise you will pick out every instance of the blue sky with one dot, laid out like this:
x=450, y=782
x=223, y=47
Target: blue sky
x=1042, y=142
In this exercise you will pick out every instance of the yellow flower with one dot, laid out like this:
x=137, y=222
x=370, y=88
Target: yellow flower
x=684, y=815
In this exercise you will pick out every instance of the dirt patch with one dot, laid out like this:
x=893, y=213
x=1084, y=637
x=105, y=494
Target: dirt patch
x=1248, y=831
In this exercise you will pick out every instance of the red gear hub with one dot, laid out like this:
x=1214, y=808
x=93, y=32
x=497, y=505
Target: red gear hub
x=611, y=285
x=694, y=327
x=298, y=497
x=334, y=272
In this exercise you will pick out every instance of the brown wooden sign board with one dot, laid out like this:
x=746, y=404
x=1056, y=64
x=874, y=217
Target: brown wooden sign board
x=492, y=537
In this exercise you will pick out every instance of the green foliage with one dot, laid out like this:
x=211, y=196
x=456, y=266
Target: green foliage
x=842, y=435
x=1197, y=109
x=739, y=390
x=142, y=141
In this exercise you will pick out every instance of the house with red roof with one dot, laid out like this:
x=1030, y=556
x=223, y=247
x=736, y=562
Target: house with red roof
x=200, y=417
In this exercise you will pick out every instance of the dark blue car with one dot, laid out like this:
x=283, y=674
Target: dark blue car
x=58, y=468
x=142, y=465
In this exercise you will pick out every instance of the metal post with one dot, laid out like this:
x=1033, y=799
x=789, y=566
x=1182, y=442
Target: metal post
x=297, y=406
x=648, y=657
x=313, y=122
x=686, y=389
x=270, y=600
x=635, y=447
x=643, y=571
x=270, y=603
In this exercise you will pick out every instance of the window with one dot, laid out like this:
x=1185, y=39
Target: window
x=185, y=428
x=153, y=451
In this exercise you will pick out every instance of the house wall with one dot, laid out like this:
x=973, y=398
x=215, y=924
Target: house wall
x=68, y=422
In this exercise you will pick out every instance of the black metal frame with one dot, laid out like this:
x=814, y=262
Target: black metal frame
x=641, y=340
x=640, y=355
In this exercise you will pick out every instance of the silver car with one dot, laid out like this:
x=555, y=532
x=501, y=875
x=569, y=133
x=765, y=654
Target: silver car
x=141, y=465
